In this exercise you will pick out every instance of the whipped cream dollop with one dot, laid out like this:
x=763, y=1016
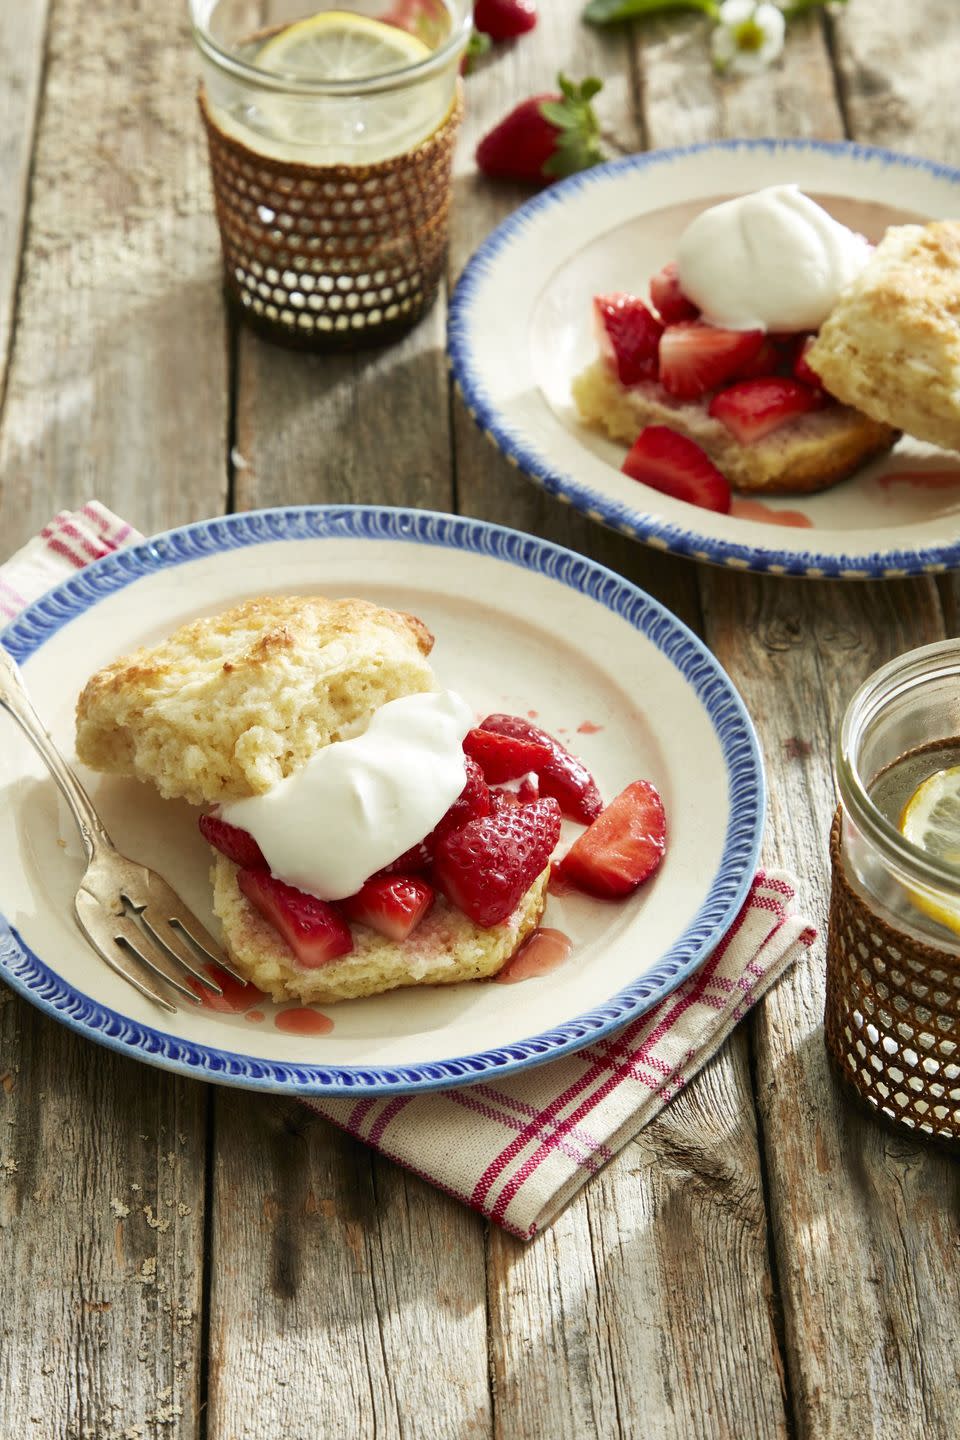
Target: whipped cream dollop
x=359, y=803
x=773, y=260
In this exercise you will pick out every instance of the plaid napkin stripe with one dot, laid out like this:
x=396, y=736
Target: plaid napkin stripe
x=516, y=1148
x=532, y=1139
x=71, y=540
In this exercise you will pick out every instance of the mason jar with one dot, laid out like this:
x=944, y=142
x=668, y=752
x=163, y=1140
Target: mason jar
x=892, y=1019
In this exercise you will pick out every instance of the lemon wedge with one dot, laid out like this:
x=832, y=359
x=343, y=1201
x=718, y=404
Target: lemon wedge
x=931, y=821
x=338, y=45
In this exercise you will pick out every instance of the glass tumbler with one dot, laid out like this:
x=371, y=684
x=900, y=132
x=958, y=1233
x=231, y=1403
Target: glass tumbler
x=331, y=131
x=892, y=1020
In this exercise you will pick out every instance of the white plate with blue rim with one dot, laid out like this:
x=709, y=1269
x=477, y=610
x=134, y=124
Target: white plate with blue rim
x=520, y=625
x=520, y=329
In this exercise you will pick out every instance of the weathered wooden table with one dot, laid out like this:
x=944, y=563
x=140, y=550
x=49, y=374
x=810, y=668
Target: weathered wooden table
x=183, y=1261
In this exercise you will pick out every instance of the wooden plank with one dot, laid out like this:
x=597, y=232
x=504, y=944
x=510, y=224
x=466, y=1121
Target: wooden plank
x=22, y=32
x=596, y=1329
x=370, y=427
x=646, y=1308
x=860, y=1219
x=118, y=385
x=370, y=1316
x=348, y=1297
x=117, y=388
x=897, y=68
x=101, y=1238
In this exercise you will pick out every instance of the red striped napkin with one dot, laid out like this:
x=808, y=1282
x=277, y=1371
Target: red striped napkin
x=519, y=1147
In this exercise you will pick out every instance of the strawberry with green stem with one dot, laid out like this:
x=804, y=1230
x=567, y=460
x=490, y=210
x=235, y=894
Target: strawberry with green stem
x=546, y=137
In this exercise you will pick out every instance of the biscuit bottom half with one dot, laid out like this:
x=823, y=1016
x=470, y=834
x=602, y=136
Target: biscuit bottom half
x=444, y=949
x=810, y=452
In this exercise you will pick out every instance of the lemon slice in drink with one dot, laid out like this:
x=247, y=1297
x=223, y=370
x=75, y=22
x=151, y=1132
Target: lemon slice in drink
x=338, y=45
x=931, y=821
x=346, y=129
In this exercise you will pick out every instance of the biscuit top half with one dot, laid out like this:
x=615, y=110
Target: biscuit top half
x=891, y=345
x=232, y=703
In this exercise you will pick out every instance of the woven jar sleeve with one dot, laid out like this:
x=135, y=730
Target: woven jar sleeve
x=335, y=256
x=892, y=1018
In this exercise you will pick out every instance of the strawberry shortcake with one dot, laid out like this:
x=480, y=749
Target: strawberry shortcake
x=709, y=379
x=367, y=832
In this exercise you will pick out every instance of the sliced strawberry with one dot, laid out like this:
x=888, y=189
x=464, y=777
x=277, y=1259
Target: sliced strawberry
x=802, y=370
x=315, y=931
x=754, y=408
x=622, y=847
x=473, y=801
x=766, y=361
x=393, y=905
x=564, y=777
x=238, y=845
x=504, y=757
x=695, y=358
x=668, y=299
x=486, y=866
x=674, y=465
x=628, y=336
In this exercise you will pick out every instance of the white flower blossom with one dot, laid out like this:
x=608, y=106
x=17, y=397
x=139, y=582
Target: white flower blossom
x=748, y=37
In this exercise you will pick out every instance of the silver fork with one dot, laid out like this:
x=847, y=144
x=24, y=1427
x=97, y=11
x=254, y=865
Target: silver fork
x=134, y=920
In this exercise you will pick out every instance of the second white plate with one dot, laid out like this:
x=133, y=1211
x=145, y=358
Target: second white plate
x=520, y=329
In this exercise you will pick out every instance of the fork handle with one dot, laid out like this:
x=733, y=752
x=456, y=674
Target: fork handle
x=14, y=699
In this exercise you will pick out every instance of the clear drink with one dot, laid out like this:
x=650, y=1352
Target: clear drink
x=892, y=1015
x=353, y=83
x=331, y=132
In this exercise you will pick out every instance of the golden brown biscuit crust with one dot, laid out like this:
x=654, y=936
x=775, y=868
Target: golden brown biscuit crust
x=231, y=703
x=891, y=345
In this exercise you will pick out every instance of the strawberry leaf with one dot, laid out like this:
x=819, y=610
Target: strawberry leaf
x=578, y=131
x=609, y=12
x=477, y=45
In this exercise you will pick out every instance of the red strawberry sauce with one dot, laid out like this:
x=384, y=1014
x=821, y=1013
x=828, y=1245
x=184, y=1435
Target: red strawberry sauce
x=237, y=997
x=587, y=727
x=543, y=952
x=301, y=1020
x=921, y=479
x=766, y=514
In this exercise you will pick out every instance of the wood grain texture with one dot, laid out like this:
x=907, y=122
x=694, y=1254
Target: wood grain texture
x=370, y=427
x=117, y=388
x=348, y=1297
x=101, y=1238
x=646, y=1308
x=863, y=1352
x=118, y=385
x=22, y=32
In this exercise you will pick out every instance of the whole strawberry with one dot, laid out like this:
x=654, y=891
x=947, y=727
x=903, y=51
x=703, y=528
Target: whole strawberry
x=545, y=137
x=504, y=19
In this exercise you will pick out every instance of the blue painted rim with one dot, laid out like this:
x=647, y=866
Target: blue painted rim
x=651, y=529
x=35, y=980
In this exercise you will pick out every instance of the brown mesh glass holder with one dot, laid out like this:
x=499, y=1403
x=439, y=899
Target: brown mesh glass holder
x=892, y=1018
x=333, y=257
